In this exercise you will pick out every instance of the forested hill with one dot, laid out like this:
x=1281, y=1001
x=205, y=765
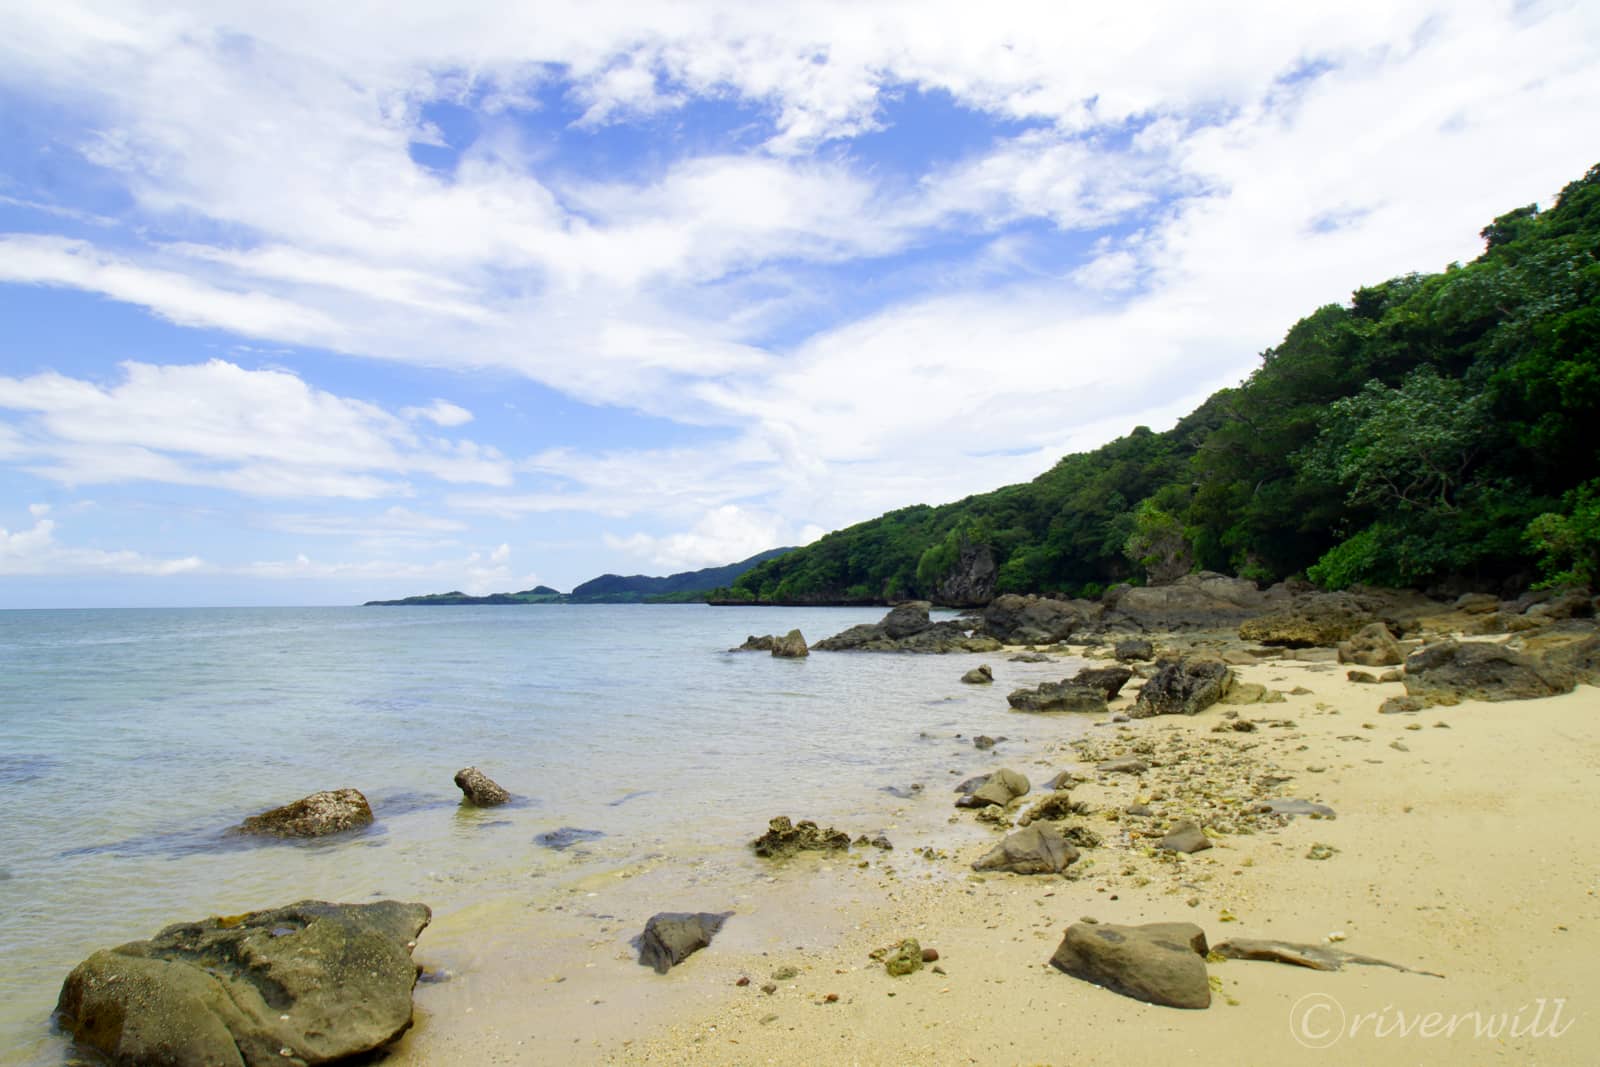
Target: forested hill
x=1439, y=429
x=689, y=585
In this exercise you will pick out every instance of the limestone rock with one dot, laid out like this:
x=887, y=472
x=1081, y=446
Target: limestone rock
x=979, y=675
x=1451, y=671
x=907, y=619
x=670, y=937
x=1290, y=806
x=999, y=788
x=1316, y=621
x=1206, y=600
x=784, y=838
x=310, y=983
x=1122, y=765
x=1185, y=835
x=1038, y=849
x=790, y=646
x=1159, y=963
x=328, y=812
x=1058, y=696
x=1133, y=649
x=905, y=958
x=1109, y=680
x=478, y=789
x=907, y=628
x=1371, y=646
x=970, y=581
x=1033, y=620
x=1183, y=687
x=756, y=644
x=1568, y=650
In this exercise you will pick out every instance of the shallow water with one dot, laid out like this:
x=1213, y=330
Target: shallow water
x=131, y=740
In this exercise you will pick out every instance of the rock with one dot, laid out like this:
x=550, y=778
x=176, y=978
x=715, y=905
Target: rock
x=906, y=619
x=790, y=646
x=784, y=839
x=1400, y=705
x=970, y=581
x=1159, y=963
x=1058, y=805
x=1316, y=621
x=1058, y=696
x=1039, y=849
x=1185, y=836
x=329, y=812
x=1134, y=648
x=999, y=788
x=907, y=629
x=905, y=958
x=979, y=675
x=1183, y=687
x=1316, y=957
x=1206, y=600
x=310, y=983
x=1477, y=603
x=1361, y=677
x=567, y=836
x=983, y=742
x=1034, y=620
x=1371, y=646
x=971, y=785
x=1064, y=780
x=1122, y=765
x=756, y=644
x=930, y=955
x=1453, y=671
x=1289, y=806
x=1391, y=676
x=1030, y=657
x=1240, y=693
x=478, y=789
x=1109, y=680
x=670, y=937
x=1568, y=650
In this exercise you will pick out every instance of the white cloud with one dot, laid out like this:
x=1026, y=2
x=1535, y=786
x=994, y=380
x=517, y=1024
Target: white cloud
x=723, y=535
x=263, y=433
x=440, y=413
x=36, y=551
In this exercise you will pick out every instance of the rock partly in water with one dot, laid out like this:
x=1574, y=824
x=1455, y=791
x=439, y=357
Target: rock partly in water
x=983, y=742
x=1038, y=849
x=784, y=838
x=310, y=983
x=1183, y=687
x=567, y=836
x=1185, y=835
x=478, y=789
x=329, y=812
x=999, y=788
x=756, y=644
x=1035, y=620
x=1158, y=963
x=790, y=646
x=907, y=628
x=670, y=937
x=1371, y=646
x=979, y=675
x=1109, y=680
x=1058, y=696
x=1452, y=671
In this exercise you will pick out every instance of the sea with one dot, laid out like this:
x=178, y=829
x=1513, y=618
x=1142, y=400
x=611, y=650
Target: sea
x=131, y=741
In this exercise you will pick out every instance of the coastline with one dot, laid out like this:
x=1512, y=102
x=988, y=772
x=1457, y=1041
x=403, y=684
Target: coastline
x=1458, y=853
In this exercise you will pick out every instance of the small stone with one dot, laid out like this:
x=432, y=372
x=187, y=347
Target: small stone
x=743, y=981
x=769, y=989
x=905, y=958
x=1321, y=852
x=831, y=998
x=783, y=974
x=929, y=955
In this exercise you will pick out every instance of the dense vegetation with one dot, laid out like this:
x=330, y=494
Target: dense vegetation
x=1439, y=430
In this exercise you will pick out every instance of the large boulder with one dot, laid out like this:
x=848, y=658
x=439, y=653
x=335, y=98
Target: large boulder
x=1183, y=687
x=906, y=619
x=1371, y=646
x=999, y=788
x=784, y=839
x=1319, y=620
x=791, y=645
x=1206, y=600
x=1568, y=650
x=329, y=812
x=1109, y=680
x=1133, y=649
x=310, y=983
x=478, y=789
x=1039, y=849
x=1159, y=963
x=1033, y=620
x=1058, y=696
x=1452, y=671
x=670, y=937
x=982, y=674
x=753, y=643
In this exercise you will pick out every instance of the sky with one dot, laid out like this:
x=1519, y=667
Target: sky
x=308, y=303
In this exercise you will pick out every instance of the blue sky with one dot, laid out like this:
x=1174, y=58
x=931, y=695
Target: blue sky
x=309, y=306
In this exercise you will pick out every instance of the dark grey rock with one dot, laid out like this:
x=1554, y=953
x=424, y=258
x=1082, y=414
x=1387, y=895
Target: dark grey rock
x=330, y=812
x=1058, y=696
x=979, y=675
x=906, y=619
x=1183, y=687
x=479, y=790
x=1206, y=600
x=564, y=838
x=1452, y=671
x=1185, y=835
x=756, y=644
x=1371, y=646
x=999, y=788
x=670, y=937
x=1109, y=680
x=1038, y=849
x=1158, y=963
x=983, y=742
x=784, y=838
x=1134, y=649
x=1034, y=620
x=310, y=983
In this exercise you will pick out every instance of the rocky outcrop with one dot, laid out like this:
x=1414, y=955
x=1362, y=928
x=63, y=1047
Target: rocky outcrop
x=1034, y=620
x=1196, y=601
x=1568, y=650
x=1182, y=687
x=1319, y=620
x=671, y=937
x=1452, y=671
x=1371, y=646
x=999, y=788
x=970, y=582
x=756, y=644
x=1158, y=963
x=1058, y=696
x=791, y=645
x=478, y=789
x=330, y=812
x=1039, y=849
x=784, y=839
x=1133, y=649
x=907, y=628
x=310, y=983
x=982, y=674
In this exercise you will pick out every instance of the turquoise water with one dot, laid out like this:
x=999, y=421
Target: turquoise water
x=131, y=740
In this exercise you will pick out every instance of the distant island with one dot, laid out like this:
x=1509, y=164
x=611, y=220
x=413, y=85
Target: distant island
x=686, y=587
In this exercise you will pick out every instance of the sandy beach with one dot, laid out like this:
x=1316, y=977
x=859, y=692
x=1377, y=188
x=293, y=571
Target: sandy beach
x=1460, y=846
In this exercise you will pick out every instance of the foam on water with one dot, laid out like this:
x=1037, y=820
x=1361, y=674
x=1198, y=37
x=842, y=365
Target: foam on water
x=131, y=740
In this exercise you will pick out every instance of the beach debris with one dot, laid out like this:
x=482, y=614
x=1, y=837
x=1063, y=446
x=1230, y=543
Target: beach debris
x=1316, y=957
x=1158, y=963
x=930, y=955
x=329, y=812
x=786, y=973
x=982, y=674
x=323, y=981
x=769, y=988
x=1319, y=851
x=999, y=788
x=1037, y=849
x=784, y=838
x=1133, y=649
x=1183, y=687
x=1185, y=835
x=1058, y=805
x=478, y=789
x=671, y=937
x=880, y=841
x=791, y=645
x=903, y=959
x=1058, y=696
x=566, y=837
x=1371, y=646
x=1451, y=671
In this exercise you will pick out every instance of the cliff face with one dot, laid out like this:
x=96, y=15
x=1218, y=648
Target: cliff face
x=970, y=582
